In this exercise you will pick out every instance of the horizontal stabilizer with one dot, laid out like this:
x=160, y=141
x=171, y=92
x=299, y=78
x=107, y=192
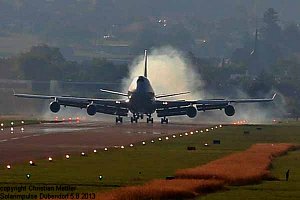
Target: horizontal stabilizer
x=171, y=95
x=114, y=92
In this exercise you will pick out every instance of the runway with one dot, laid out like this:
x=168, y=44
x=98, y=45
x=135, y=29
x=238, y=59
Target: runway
x=40, y=141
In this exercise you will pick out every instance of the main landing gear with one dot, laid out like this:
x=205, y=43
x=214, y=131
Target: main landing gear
x=149, y=119
x=134, y=119
x=119, y=119
x=164, y=120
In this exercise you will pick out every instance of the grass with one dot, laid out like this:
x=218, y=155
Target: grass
x=13, y=43
x=247, y=167
x=140, y=164
x=17, y=122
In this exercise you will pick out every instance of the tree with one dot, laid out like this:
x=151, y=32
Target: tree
x=41, y=63
x=271, y=31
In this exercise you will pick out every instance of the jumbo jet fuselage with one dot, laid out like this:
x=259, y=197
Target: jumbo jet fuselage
x=141, y=96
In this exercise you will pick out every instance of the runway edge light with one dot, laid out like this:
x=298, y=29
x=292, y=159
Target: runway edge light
x=31, y=163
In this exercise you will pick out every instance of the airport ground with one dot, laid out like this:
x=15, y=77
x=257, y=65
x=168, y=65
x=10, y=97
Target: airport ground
x=120, y=166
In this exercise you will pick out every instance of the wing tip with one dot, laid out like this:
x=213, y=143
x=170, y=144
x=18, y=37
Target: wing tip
x=14, y=92
x=274, y=95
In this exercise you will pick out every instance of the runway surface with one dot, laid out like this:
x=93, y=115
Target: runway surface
x=57, y=139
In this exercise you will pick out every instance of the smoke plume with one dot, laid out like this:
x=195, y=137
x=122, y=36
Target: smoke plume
x=169, y=72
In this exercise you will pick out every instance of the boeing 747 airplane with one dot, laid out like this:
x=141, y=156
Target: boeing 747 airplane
x=140, y=101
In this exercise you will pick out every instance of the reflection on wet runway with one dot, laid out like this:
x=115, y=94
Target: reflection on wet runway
x=60, y=130
x=42, y=140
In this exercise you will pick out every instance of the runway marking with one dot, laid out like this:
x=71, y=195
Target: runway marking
x=26, y=136
x=3, y=140
x=35, y=135
x=15, y=138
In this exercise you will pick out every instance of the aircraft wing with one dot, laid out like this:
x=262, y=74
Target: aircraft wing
x=181, y=107
x=179, y=103
x=231, y=101
x=107, y=106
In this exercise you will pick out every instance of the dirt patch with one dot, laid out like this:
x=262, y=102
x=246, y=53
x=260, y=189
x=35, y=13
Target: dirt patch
x=164, y=189
x=250, y=166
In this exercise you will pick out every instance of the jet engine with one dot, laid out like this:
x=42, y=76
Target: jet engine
x=91, y=109
x=191, y=112
x=229, y=110
x=54, y=106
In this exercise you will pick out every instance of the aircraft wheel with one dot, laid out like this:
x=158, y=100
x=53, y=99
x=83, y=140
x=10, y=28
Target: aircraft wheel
x=150, y=120
x=134, y=119
x=119, y=119
x=164, y=120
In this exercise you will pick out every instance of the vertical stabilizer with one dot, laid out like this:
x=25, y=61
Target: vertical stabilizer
x=256, y=39
x=253, y=52
x=145, y=72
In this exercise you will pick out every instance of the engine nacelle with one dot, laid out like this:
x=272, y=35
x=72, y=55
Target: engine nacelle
x=91, y=109
x=191, y=112
x=229, y=110
x=54, y=106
